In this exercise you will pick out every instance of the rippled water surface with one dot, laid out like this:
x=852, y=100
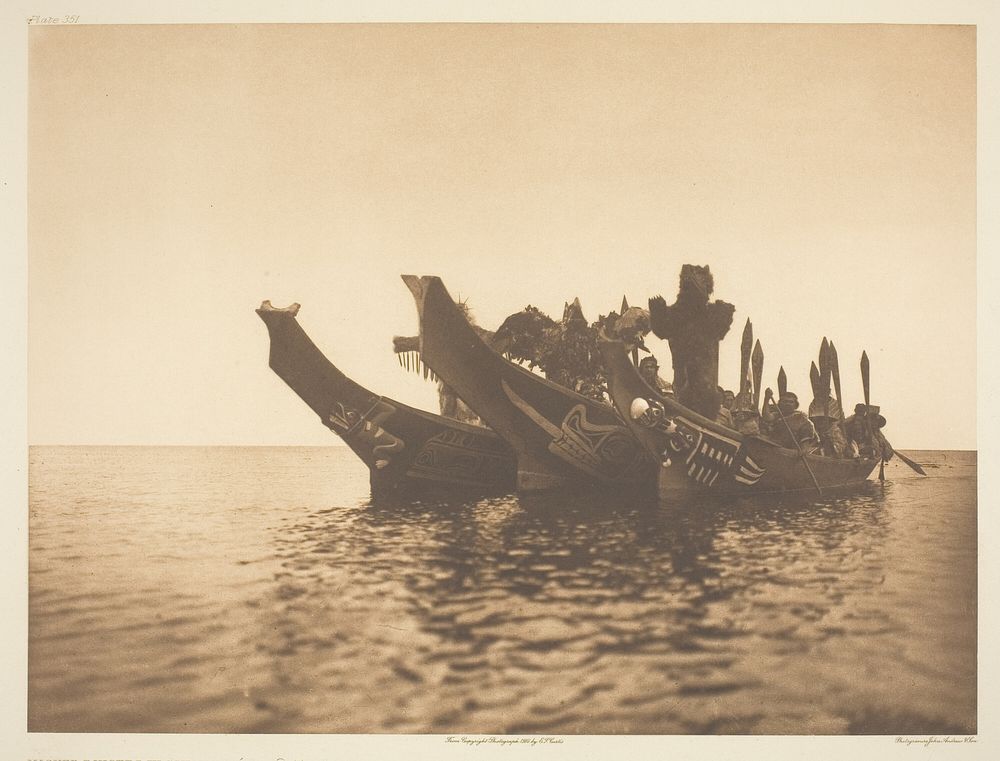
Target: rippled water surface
x=261, y=590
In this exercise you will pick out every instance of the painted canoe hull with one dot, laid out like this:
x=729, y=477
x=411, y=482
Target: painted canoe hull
x=700, y=455
x=419, y=451
x=561, y=439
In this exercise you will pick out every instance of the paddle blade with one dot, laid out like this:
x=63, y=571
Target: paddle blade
x=865, y=377
x=835, y=370
x=824, y=367
x=814, y=379
x=746, y=345
x=916, y=466
x=757, y=365
x=782, y=382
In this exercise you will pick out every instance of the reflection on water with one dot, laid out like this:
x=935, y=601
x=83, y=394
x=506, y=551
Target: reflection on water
x=262, y=590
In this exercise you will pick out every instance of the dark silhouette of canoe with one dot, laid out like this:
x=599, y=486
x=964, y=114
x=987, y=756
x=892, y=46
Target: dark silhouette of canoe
x=405, y=449
x=697, y=454
x=560, y=437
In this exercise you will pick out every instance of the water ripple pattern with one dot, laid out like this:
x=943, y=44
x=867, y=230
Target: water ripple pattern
x=261, y=590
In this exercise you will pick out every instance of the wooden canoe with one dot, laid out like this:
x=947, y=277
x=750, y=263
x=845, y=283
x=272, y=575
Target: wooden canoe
x=561, y=439
x=407, y=450
x=697, y=454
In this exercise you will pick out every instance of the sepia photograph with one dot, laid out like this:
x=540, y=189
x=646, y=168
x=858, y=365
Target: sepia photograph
x=500, y=384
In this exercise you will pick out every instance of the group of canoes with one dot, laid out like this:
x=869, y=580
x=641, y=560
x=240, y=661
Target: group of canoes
x=532, y=433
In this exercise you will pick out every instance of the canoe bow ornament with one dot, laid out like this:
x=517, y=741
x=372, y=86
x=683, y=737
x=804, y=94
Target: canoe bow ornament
x=709, y=454
x=349, y=422
x=605, y=451
x=346, y=420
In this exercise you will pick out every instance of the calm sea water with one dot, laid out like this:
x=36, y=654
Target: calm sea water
x=261, y=590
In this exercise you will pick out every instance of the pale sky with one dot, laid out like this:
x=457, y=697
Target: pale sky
x=178, y=175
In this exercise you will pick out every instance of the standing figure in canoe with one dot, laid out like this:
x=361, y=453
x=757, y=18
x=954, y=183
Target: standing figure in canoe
x=693, y=326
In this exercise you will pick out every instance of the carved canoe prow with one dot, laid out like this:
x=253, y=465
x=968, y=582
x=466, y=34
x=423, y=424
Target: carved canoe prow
x=404, y=448
x=292, y=309
x=561, y=439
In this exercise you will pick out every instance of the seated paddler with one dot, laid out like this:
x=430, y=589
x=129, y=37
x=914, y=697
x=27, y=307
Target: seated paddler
x=724, y=416
x=649, y=370
x=746, y=418
x=786, y=425
x=864, y=435
x=827, y=416
x=728, y=399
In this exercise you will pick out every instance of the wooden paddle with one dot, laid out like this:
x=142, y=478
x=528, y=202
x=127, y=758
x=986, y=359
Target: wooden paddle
x=745, y=346
x=782, y=382
x=881, y=470
x=757, y=360
x=865, y=379
x=865, y=385
x=835, y=370
x=824, y=367
x=911, y=463
x=814, y=380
